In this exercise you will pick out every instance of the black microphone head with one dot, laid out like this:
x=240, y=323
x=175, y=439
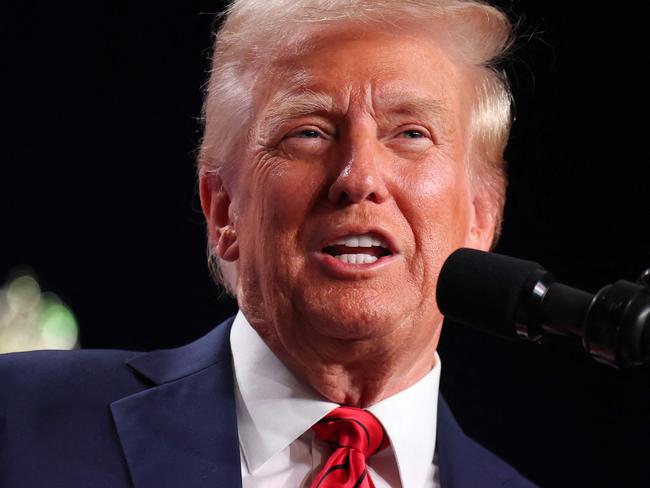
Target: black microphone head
x=484, y=290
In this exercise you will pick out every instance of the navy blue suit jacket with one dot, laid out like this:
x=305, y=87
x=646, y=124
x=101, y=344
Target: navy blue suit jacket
x=93, y=418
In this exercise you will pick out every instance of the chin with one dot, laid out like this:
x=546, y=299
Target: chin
x=351, y=314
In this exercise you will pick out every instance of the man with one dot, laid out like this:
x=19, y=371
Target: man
x=350, y=146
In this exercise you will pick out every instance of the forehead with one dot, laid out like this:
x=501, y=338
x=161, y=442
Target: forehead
x=333, y=68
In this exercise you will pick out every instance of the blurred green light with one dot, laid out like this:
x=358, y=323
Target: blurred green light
x=58, y=325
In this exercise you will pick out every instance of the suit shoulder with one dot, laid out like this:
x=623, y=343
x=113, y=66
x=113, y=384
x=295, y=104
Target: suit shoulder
x=53, y=362
x=509, y=476
x=54, y=374
x=56, y=427
x=468, y=462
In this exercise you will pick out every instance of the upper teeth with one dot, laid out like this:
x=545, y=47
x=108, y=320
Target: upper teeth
x=365, y=240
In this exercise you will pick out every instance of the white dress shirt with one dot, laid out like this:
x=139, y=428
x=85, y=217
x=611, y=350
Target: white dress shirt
x=275, y=412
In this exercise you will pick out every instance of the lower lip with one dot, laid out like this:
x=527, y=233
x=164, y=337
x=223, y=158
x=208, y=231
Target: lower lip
x=345, y=270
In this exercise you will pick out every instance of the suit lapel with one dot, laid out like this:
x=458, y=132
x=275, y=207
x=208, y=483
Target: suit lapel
x=448, y=438
x=183, y=430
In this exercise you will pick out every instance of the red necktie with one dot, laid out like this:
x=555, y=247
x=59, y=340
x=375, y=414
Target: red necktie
x=357, y=435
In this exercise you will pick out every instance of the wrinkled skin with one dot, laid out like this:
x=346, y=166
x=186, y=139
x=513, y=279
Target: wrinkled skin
x=356, y=134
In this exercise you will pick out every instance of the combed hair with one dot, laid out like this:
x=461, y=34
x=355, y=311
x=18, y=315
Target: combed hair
x=253, y=32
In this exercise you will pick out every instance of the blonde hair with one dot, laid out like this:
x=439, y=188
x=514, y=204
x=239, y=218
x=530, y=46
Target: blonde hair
x=253, y=31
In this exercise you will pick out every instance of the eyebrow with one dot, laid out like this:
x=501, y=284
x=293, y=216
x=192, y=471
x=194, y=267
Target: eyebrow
x=410, y=104
x=292, y=106
x=308, y=102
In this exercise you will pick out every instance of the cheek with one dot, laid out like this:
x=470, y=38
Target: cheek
x=437, y=200
x=286, y=198
x=277, y=207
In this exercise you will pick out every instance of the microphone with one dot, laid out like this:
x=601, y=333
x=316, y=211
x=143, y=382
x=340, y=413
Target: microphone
x=511, y=297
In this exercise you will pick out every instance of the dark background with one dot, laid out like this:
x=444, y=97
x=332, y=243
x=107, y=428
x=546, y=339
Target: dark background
x=99, y=107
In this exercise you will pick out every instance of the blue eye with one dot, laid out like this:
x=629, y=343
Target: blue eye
x=307, y=134
x=412, y=134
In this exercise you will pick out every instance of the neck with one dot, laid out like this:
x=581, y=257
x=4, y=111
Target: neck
x=356, y=373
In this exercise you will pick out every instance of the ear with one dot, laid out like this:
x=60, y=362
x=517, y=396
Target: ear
x=216, y=205
x=482, y=222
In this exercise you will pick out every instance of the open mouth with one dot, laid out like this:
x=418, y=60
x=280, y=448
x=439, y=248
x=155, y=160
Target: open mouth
x=358, y=249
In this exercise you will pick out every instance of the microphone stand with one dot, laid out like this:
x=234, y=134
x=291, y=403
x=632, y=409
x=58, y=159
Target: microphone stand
x=614, y=324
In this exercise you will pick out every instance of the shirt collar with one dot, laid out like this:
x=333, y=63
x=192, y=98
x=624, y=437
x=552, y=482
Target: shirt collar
x=409, y=418
x=274, y=408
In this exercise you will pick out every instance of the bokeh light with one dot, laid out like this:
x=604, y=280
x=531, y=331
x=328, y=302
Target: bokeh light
x=31, y=319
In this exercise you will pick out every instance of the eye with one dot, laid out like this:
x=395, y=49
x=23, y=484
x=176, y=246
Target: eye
x=306, y=141
x=410, y=138
x=412, y=134
x=306, y=134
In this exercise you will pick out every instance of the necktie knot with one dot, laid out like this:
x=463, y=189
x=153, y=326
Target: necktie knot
x=353, y=428
x=355, y=434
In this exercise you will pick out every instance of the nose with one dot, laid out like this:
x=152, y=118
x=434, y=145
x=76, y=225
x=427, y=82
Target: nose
x=362, y=176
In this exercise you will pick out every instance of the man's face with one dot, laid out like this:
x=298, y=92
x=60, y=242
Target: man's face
x=353, y=189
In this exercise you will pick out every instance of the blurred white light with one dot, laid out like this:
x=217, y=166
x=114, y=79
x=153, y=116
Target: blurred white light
x=32, y=320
